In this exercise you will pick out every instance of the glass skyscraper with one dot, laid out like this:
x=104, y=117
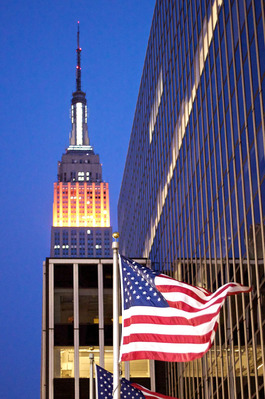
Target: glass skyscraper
x=193, y=192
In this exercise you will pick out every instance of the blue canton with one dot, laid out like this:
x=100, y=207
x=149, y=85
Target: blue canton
x=139, y=285
x=105, y=386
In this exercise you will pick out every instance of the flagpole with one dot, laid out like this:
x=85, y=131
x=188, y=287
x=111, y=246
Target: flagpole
x=116, y=343
x=91, y=376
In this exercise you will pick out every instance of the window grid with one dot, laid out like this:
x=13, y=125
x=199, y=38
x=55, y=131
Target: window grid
x=200, y=209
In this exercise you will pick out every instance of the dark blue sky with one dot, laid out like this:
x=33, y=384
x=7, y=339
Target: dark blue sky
x=38, y=42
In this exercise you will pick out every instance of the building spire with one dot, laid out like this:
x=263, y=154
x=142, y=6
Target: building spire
x=79, y=139
x=78, y=66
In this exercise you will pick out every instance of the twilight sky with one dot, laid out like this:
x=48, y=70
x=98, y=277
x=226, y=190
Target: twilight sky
x=38, y=42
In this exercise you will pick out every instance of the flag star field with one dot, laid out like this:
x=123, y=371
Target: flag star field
x=139, y=286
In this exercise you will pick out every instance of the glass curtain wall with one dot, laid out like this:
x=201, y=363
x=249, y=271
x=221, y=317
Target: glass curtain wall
x=196, y=205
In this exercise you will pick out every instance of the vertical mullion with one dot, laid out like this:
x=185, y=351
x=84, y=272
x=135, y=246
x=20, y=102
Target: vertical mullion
x=76, y=330
x=101, y=313
x=51, y=330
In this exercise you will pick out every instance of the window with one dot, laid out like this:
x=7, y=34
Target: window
x=64, y=362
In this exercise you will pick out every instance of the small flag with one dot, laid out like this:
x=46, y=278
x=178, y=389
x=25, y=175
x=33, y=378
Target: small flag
x=165, y=319
x=104, y=384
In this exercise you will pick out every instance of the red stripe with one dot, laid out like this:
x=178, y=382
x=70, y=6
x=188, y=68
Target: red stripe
x=204, y=290
x=147, y=393
x=170, y=339
x=183, y=290
x=191, y=309
x=192, y=294
x=160, y=320
x=165, y=357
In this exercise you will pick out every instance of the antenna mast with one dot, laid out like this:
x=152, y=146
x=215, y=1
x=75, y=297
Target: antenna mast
x=78, y=66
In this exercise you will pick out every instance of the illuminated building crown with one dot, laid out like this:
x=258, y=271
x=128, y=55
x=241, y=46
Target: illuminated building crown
x=81, y=198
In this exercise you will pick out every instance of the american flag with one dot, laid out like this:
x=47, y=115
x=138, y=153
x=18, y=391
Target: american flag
x=165, y=319
x=104, y=384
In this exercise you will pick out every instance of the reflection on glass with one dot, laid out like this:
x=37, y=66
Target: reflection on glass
x=88, y=306
x=108, y=307
x=219, y=367
x=63, y=306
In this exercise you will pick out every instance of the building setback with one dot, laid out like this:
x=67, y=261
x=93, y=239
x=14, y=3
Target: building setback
x=193, y=192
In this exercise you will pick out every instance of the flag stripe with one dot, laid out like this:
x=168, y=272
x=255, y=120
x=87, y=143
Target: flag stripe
x=168, y=321
x=168, y=338
x=165, y=356
x=167, y=312
x=132, y=327
x=150, y=394
x=166, y=347
x=181, y=294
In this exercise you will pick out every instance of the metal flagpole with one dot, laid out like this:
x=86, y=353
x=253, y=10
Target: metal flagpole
x=116, y=343
x=91, y=376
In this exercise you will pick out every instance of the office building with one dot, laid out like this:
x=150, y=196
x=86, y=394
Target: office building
x=81, y=215
x=193, y=192
x=77, y=321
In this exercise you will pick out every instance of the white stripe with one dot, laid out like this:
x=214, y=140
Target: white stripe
x=163, y=347
x=185, y=297
x=229, y=287
x=174, y=330
x=167, y=312
x=161, y=280
x=180, y=297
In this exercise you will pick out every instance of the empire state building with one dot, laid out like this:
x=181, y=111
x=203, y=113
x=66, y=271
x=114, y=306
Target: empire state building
x=81, y=217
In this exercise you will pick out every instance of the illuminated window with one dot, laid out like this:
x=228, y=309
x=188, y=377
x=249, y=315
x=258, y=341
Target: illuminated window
x=64, y=362
x=138, y=368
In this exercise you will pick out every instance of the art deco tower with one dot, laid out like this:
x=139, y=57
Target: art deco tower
x=81, y=220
